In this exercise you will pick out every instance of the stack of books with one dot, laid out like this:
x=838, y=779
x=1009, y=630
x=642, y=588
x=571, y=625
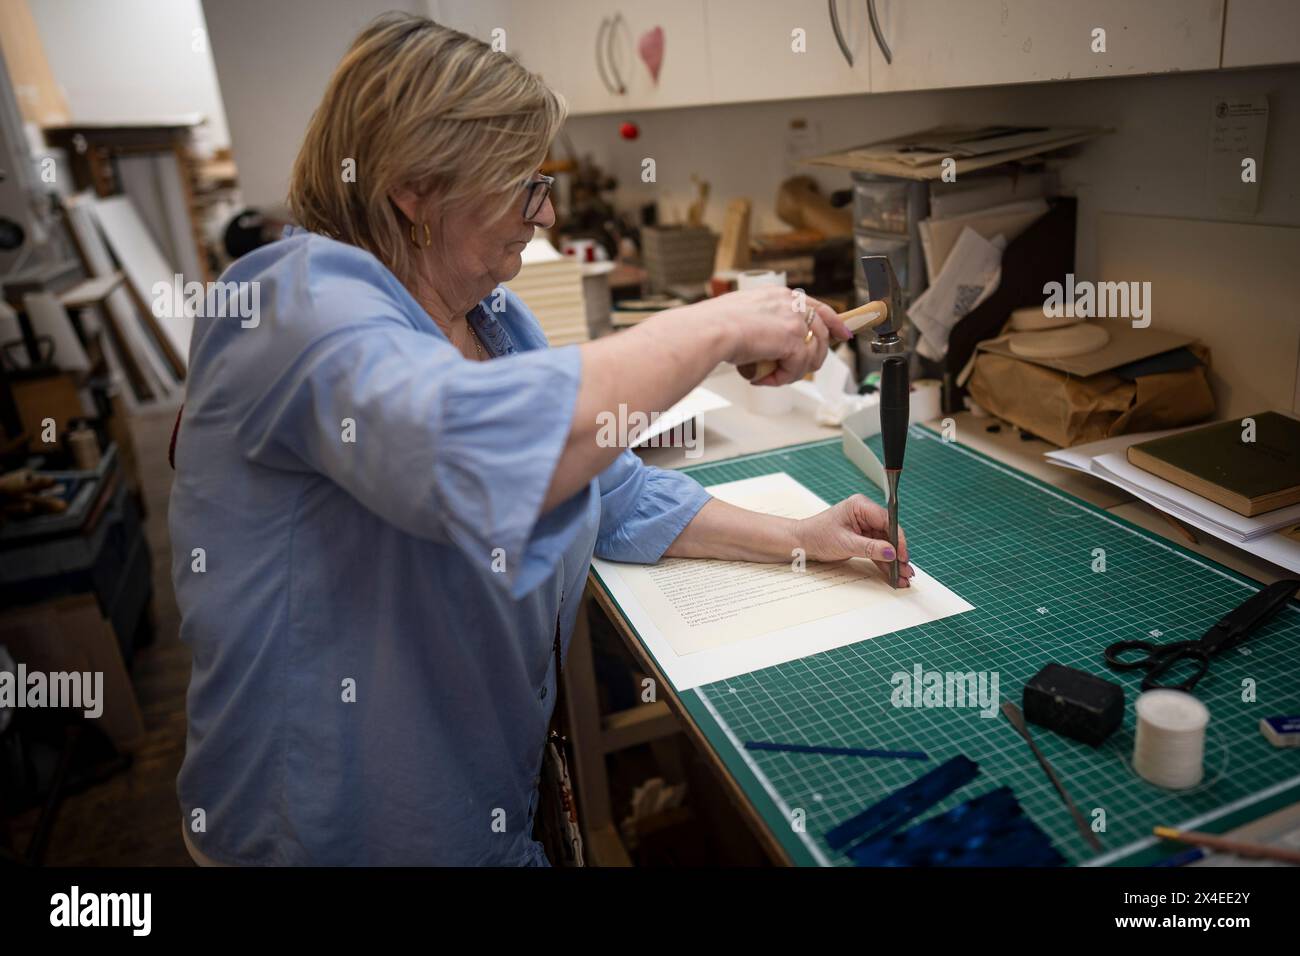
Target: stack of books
x=1238, y=480
x=1250, y=467
x=551, y=286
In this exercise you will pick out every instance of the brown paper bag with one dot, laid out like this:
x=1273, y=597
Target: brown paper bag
x=1067, y=410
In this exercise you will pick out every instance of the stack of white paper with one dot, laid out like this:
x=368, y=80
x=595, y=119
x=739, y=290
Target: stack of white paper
x=980, y=192
x=698, y=401
x=706, y=620
x=1108, y=460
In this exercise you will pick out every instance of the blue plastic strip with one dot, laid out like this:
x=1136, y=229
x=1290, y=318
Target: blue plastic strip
x=905, y=803
x=1190, y=855
x=837, y=751
x=989, y=830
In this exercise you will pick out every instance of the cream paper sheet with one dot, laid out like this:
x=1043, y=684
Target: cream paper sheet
x=706, y=620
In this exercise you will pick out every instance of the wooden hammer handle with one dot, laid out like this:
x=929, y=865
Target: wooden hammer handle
x=863, y=317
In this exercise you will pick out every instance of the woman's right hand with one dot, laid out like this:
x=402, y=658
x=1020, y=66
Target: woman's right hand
x=770, y=323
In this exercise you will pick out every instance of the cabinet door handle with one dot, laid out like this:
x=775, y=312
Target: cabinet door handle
x=839, y=34
x=620, y=86
x=875, y=29
x=600, y=54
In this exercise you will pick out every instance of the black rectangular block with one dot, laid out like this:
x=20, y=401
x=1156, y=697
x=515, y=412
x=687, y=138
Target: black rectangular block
x=1081, y=706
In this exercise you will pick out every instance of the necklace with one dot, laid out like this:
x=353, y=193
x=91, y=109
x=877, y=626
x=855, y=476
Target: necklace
x=478, y=345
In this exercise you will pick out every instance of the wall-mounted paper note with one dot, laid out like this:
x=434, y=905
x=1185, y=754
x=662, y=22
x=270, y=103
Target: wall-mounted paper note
x=1238, y=133
x=706, y=620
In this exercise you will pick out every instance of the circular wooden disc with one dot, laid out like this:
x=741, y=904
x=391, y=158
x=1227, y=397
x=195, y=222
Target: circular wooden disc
x=1032, y=319
x=1059, y=343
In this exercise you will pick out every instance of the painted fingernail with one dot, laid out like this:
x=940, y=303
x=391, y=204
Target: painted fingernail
x=887, y=553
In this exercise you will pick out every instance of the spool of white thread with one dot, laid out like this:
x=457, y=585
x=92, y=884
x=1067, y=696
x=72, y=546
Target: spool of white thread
x=1169, y=749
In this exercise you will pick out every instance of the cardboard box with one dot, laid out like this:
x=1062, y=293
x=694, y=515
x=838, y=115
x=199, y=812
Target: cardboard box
x=50, y=396
x=68, y=634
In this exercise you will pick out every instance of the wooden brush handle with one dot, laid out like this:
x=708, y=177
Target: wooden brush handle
x=1259, y=851
x=863, y=317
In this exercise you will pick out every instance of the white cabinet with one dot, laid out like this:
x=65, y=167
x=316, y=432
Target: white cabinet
x=786, y=49
x=594, y=54
x=736, y=51
x=1258, y=32
x=953, y=43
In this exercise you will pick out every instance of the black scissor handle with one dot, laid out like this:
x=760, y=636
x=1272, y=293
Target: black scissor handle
x=1238, y=624
x=1150, y=652
x=1167, y=662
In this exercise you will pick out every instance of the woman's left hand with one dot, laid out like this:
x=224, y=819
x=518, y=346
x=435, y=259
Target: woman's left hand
x=857, y=527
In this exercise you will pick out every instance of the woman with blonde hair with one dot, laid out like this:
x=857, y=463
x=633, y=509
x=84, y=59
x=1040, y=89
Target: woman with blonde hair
x=398, y=487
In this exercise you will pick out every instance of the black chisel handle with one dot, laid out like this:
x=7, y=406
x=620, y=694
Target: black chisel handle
x=894, y=407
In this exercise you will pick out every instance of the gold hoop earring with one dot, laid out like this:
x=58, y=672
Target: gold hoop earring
x=428, y=236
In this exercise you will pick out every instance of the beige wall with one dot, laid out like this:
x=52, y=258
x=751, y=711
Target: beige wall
x=272, y=77
x=1154, y=163
x=132, y=61
x=273, y=60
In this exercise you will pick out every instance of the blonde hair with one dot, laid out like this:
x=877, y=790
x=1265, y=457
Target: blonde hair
x=416, y=104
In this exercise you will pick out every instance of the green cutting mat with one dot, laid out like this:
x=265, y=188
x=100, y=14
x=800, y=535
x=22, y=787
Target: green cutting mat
x=1021, y=552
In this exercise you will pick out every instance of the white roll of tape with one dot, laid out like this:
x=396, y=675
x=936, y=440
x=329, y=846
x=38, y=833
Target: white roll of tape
x=1169, y=749
x=758, y=277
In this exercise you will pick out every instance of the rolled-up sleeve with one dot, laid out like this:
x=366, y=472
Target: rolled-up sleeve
x=441, y=447
x=643, y=509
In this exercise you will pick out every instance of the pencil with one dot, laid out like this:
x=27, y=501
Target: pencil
x=1260, y=851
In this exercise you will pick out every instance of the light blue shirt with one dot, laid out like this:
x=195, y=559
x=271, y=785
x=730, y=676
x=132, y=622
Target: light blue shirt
x=373, y=610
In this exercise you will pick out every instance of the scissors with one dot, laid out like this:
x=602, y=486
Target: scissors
x=1232, y=629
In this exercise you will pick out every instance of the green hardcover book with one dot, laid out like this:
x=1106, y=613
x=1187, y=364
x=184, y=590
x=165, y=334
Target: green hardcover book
x=1219, y=463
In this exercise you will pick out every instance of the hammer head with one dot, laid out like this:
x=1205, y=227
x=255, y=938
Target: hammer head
x=883, y=285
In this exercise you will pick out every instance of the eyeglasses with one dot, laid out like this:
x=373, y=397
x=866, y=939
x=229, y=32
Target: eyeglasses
x=536, y=192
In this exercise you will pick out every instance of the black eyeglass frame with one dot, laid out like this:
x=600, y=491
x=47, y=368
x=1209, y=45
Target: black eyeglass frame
x=534, y=200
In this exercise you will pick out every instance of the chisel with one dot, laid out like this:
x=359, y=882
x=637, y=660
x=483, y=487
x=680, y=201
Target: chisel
x=894, y=387
x=893, y=436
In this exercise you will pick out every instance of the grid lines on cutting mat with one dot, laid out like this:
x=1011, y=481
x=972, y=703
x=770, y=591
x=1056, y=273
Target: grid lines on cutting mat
x=1023, y=554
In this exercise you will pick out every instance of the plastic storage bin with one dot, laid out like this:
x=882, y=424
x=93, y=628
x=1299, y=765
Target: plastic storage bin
x=880, y=205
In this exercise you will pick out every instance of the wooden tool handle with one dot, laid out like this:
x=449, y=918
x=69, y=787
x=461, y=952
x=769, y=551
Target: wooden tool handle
x=1259, y=851
x=863, y=317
